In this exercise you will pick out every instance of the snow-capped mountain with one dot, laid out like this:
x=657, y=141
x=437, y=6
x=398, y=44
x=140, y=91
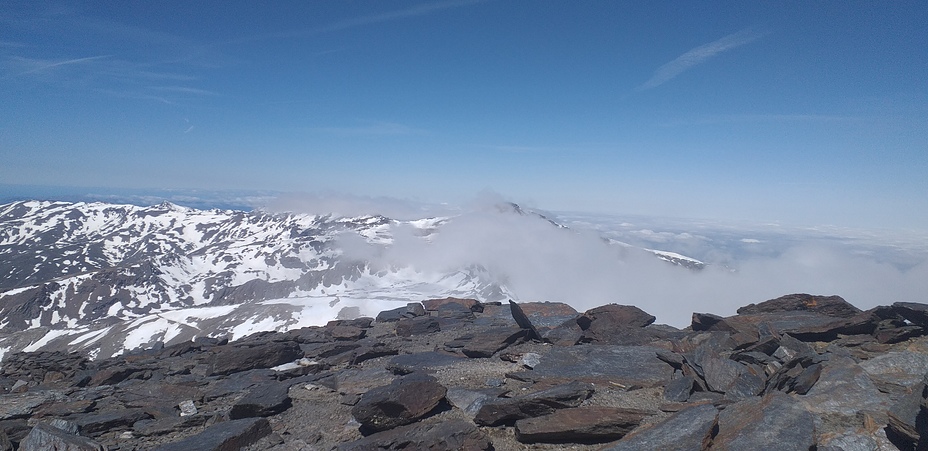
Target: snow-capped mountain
x=105, y=278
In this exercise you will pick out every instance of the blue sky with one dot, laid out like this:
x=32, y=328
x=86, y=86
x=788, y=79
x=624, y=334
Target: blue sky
x=801, y=112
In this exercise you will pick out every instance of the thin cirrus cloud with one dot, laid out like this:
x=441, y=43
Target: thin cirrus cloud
x=373, y=128
x=418, y=10
x=45, y=65
x=699, y=55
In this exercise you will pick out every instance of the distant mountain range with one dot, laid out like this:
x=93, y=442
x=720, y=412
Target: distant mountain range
x=106, y=278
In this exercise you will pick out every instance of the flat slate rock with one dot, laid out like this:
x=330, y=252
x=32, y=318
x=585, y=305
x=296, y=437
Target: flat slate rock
x=834, y=306
x=421, y=325
x=224, y=436
x=774, y=422
x=44, y=437
x=451, y=435
x=842, y=391
x=903, y=368
x=690, y=429
x=100, y=422
x=915, y=312
x=403, y=401
x=488, y=341
x=262, y=401
x=21, y=405
x=627, y=365
x=543, y=402
x=546, y=315
x=589, y=424
x=679, y=389
x=411, y=310
x=266, y=355
x=425, y=361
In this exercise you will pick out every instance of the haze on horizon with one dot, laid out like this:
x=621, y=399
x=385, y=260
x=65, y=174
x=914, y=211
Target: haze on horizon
x=801, y=113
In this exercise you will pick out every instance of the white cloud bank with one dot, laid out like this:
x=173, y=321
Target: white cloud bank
x=537, y=261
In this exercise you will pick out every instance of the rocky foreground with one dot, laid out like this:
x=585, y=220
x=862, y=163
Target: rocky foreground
x=798, y=372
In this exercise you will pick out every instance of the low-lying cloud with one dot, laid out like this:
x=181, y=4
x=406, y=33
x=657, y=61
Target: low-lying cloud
x=537, y=261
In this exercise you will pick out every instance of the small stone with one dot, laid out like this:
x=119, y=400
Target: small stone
x=531, y=359
x=20, y=386
x=187, y=408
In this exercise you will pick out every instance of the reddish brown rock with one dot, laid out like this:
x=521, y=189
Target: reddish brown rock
x=470, y=304
x=825, y=305
x=774, y=422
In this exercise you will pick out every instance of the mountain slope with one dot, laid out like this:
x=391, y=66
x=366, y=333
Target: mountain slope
x=105, y=278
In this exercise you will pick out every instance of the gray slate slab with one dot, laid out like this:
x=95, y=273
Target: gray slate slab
x=687, y=430
x=627, y=365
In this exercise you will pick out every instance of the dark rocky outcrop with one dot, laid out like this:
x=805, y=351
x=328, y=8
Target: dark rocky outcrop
x=798, y=372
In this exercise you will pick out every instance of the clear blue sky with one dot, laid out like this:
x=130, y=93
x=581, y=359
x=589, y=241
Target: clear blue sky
x=803, y=112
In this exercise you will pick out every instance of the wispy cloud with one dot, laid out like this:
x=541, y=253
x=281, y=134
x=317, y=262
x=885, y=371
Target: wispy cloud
x=374, y=128
x=771, y=118
x=44, y=65
x=700, y=55
x=184, y=90
x=417, y=10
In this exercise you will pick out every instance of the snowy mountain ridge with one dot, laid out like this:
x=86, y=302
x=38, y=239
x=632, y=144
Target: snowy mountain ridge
x=104, y=278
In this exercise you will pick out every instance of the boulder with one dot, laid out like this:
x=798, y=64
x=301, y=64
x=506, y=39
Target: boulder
x=916, y=313
x=422, y=325
x=424, y=361
x=834, y=306
x=110, y=420
x=523, y=321
x=22, y=405
x=580, y=425
x=690, y=429
x=601, y=324
x=679, y=389
x=433, y=305
x=227, y=435
x=450, y=435
x=625, y=365
x=262, y=401
x=896, y=371
x=403, y=401
x=908, y=417
x=411, y=310
x=43, y=437
x=230, y=360
x=844, y=391
x=774, y=422
x=547, y=315
x=508, y=410
x=487, y=342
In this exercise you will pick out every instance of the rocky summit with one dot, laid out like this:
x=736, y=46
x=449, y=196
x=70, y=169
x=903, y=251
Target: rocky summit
x=800, y=372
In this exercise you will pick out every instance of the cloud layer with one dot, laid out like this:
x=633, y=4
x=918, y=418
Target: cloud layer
x=537, y=261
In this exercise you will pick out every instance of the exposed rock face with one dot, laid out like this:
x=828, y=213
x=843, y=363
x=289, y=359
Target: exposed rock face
x=772, y=378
